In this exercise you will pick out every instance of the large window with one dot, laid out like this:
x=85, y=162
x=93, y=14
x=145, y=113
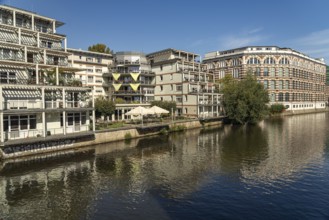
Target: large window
x=284, y=61
x=265, y=71
x=20, y=122
x=76, y=118
x=269, y=60
x=253, y=60
x=8, y=77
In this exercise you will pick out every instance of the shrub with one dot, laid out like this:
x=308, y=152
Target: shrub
x=276, y=108
x=128, y=136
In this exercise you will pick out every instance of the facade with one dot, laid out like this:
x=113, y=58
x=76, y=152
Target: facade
x=131, y=82
x=40, y=98
x=291, y=78
x=94, y=66
x=180, y=78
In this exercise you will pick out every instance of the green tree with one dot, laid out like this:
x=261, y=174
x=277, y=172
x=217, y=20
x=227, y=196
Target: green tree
x=104, y=107
x=168, y=105
x=244, y=101
x=101, y=48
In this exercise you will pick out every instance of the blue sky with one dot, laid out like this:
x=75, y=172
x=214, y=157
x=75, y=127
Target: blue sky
x=196, y=26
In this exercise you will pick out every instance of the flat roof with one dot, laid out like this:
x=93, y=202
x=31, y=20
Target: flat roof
x=4, y=6
x=171, y=50
x=89, y=52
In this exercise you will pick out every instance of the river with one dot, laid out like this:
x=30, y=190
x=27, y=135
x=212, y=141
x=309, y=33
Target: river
x=278, y=169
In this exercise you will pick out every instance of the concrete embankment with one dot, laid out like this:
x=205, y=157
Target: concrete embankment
x=300, y=112
x=105, y=136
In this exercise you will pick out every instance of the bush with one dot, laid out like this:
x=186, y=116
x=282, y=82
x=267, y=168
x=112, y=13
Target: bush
x=177, y=128
x=128, y=136
x=276, y=108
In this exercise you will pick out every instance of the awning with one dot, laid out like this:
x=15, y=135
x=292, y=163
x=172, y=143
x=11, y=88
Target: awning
x=134, y=86
x=116, y=75
x=116, y=86
x=135, y=76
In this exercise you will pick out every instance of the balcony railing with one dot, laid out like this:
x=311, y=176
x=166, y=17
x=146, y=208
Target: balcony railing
x=195, y=90
x=21, y=134
x=37, y=104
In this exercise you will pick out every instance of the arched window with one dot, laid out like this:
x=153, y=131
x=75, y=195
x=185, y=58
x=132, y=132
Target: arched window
x=284, y=61
x=253, y=60
x=269, y=60
x=280, y=98
x=236, y=62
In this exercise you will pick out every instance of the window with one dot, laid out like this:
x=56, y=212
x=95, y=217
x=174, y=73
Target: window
x=161, y=88
x=280, y=97
x=178, y=87
x=253, y=60
x=272, y=85
x=265, y=84
x=99, y=60
x=269, y=60
x=284, y=61
x=286, y=72
x=235, y=73
x=90, y=79
x=272, y=72
x=179, y=99
x=280, y=72
x=236, y=62
x=89, y=59
x=265, y=71
x=280, y=84
x=161, y=78
x=286, y=84
x=257, y=71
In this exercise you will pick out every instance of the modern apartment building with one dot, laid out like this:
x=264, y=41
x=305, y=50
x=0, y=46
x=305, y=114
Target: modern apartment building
x=183, y=79
x=94, y=66
x=292, y=78
x=41, y=102
x=131, y=82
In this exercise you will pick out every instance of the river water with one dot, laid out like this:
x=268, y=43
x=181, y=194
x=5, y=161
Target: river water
x=278, y=169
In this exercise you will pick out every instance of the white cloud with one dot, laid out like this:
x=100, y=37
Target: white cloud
x=314, y=44
x=245, y=38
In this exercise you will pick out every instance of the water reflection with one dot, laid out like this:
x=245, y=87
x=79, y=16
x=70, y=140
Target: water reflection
x=123, y=178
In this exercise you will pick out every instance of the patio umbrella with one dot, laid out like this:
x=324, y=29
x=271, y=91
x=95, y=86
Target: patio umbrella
x=157, y=110
x=139, y=111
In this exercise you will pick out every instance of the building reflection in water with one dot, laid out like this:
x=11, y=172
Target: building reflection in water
x=125, y=174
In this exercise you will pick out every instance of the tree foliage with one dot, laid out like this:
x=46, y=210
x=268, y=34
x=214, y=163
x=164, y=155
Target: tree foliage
x=104, y=107
x=277, y=108
x=168, y=105
x=245, y=100
x=101, y=48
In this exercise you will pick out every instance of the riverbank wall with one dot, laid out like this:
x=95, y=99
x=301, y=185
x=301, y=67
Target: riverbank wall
x=71, y=144
x=300, y=112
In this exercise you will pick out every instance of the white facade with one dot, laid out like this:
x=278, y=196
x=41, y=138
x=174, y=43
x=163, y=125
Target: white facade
x=40, y=97
x=94, y=68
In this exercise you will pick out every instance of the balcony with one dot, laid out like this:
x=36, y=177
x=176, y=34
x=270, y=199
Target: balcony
x=127, y=92
x=38, y=104
x=22, y=134
x=196, y=91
